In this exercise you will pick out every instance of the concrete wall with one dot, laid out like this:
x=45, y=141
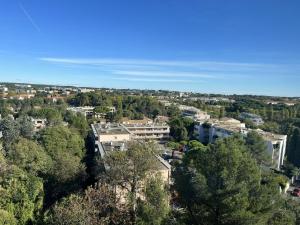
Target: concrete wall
x=114, y=137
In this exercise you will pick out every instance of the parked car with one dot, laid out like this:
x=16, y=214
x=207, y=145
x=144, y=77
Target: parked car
x=296, y=192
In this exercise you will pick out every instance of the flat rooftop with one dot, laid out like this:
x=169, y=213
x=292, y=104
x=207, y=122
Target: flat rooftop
x=110, y=128
x=229, y=127
x=271, y=136
x=227, y=123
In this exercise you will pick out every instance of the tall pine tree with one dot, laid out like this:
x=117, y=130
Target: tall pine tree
x=223, y=186
x=293, y=151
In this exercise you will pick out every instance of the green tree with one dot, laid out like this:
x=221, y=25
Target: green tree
x=53, y=116
x=263, y=112
x=223, y=186
x=72, y=210
x=282, y=217
x=129, y=169
x=26, y=126
x=7, y=218
x=10, y=131
x=188, y=123
x=257, y=147
x=95, y=206
x=83, y=100
x=173, y=145
x=61, y=139
x=119, y=108
x=66, y=149
x=30, y=156
x=101, y=109
x=77, y=121
x=270, y=127
x=292, y=208
x=21, y=194
x=196, y=145
x=4, y=108
x=155, y=208
x=155, y=112
x=270, y=113
x=293, y=149
x=177, y=129
x=173, y=111
x=222, y=112
x=249, y=123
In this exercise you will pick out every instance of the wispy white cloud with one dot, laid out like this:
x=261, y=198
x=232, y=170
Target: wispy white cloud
x=167, y=63
x=166, y=68
x=29, y=17
x=156, y=80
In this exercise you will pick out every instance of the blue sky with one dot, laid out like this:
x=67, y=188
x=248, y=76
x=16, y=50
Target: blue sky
x=209, y=46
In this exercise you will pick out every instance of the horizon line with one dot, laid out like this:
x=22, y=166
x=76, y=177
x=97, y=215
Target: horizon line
x=141, y=89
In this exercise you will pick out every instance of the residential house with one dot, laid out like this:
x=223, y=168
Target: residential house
x=257, y=120
x=193, y=113
x=39, y=123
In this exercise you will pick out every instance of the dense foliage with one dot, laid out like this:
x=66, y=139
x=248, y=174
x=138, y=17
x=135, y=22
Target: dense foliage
x=45, y=176
x=223, y=185
x=36, y=169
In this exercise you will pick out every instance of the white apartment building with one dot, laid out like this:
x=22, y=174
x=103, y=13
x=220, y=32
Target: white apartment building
x=108, y=133
x=84, y=110
x=276, y=146
x=155, y=131
x=194, y=113
x=211, y=130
